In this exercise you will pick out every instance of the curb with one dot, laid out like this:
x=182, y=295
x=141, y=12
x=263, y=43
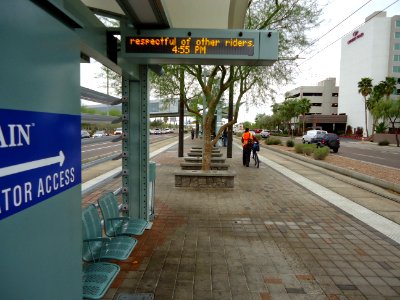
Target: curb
x=366, y=178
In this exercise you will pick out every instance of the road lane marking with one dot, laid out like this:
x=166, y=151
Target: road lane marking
x=100, y=148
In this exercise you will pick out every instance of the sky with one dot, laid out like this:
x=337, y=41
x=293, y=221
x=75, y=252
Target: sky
x=322, y=60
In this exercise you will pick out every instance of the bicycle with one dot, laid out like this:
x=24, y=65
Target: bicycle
x=256, y=147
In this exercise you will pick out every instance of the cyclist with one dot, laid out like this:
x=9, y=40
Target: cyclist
x=248, y=140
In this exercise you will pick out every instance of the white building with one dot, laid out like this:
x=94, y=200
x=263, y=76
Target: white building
x=373, y=51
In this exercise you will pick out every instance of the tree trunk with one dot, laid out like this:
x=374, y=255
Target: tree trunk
x=207, y=145
x=365, y=110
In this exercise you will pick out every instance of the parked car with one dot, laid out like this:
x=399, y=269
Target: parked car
x=151, y=131
x=85, y=134
x=265, y=134
x=99, y=133
x=118, y=131
x=330, y=140
x=311, y=134
x=157, y=131
x=166, y=130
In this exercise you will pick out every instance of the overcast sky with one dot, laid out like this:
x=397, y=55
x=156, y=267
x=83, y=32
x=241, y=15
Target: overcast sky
x=322, y=60
x=340, y=17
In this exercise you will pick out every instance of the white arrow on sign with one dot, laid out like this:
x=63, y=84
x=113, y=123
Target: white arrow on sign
x=33, y=165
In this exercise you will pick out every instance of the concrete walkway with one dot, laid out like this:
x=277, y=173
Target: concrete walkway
x=270, y=237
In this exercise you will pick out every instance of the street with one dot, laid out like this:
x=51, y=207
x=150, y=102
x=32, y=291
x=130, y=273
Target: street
x=370, y=152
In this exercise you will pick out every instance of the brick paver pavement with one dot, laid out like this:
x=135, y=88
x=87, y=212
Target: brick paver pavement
x=267, y=238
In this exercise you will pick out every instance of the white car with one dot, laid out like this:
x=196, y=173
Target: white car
x=85, y=134
x=311, y=134
x=118, y=131
x=157, y=131
x=265, y=134
x=99, y=133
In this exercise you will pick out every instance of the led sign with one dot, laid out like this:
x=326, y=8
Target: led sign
x=199, y=46
x=188, y=45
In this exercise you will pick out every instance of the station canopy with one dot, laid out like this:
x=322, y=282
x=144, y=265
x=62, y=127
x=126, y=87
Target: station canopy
x=159, y=14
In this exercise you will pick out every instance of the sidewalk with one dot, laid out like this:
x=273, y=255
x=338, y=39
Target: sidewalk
x=267, y=238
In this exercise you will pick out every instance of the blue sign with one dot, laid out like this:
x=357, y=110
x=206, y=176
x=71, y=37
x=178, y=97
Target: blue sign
x=40, y=157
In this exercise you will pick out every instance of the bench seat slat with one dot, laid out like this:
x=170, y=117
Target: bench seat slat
x=95, y=247
x=114, y=224
x=97, y=278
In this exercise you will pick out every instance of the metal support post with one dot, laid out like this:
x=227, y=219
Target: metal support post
x=135, y=165
x=181, y=112
x=230, y=118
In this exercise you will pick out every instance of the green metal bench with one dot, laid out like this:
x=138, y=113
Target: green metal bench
x=95, y=246
x=114, y=224
x=97, y=278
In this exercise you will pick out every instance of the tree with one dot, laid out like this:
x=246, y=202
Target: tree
x=291, y=18
x=388, y=86
x=303, y=106
x=110, y=80
x=389, y=109
x=373, y=100
x=267, y=122
x=384, y=88
x=156, y=123
x=365, y=89
x=89, y=110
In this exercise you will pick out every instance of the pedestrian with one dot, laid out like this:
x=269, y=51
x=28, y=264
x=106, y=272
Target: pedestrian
x=192, y=133
x=225, y=137
x=247, y=142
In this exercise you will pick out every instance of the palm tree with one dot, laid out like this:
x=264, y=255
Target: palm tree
x=388, y=86
x=365, y=89
x=303, y=107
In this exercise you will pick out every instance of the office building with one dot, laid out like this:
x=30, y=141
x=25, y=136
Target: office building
x=324, y=105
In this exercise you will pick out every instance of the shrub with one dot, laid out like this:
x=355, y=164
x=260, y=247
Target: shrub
x=381, y=128
x=298, y=148
x=258, y=136
x=359, y=131
x=321, y=153
x=273, y=141
x=308, y=149
x=384, y=143
x=340, y=132
x=349, y=130
x=290, y=143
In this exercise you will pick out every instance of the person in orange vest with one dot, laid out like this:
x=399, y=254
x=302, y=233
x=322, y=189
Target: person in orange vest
x=248, y=140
